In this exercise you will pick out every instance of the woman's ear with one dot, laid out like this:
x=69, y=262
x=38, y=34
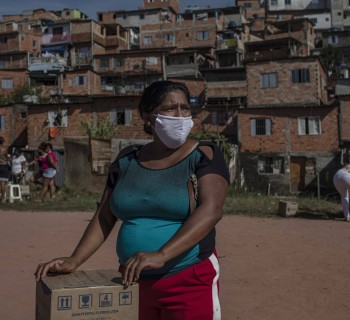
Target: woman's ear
x=147, y=118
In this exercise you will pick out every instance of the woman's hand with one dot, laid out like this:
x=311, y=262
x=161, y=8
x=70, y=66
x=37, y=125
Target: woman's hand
x=141, y=261
x=58, y=265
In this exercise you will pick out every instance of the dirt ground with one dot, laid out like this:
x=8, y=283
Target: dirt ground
x=271, y=268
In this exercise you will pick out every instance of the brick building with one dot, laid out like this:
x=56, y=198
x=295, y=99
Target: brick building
x=286, y=149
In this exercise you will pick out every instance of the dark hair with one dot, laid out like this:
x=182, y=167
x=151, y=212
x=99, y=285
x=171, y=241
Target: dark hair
x=154, y=94
x=44, y=145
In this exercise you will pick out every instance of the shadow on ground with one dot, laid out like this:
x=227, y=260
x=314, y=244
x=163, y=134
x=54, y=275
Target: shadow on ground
x=316, y=215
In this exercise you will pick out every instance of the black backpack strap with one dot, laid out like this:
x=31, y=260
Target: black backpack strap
x=128, y=150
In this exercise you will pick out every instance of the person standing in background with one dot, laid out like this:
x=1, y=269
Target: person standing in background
x=50, y=168
x=5, y=172
x=18, y=163
x=341, y=182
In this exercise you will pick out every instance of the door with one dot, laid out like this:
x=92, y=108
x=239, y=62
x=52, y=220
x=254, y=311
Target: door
x=297, y=174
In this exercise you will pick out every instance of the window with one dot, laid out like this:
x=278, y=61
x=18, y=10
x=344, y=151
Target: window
x=80, y=80
x=274, y=2
x=57, y=30
x=121, y=116
x=309, y=126
x=272, y=165
x=151, y=61
x=7, y=83
x=147, y=40
x=314, y=20
x=3, y=39
x=22, y=115
x=138, y=86
x=2, y=122
x=260, y=127
x=142, y=16
x=34, y=43
x=169, y=37
x=247, y=5
x=118, y=62
x=203, y=35
x=333, y=39
x=57, y=118
x=269, y=80
x=218, y=118
x=104, y=63
x=100, y=17
x=287, y=2
x=301, y=75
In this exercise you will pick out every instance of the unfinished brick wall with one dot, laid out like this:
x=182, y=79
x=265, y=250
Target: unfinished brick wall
x=284, y=130
x=19, y=78
x=100, y=108
x=14, y=131
x=286, y=92
x=345, y=118
x=68, y=83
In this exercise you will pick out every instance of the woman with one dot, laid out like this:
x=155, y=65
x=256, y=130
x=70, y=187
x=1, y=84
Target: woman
x=39, y=160
x=18, y=163
x=163, y=244
x=341, y=182
x=5, y=172
x=49, y=169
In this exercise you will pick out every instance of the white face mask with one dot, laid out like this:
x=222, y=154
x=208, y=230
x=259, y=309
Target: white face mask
x=173, y=131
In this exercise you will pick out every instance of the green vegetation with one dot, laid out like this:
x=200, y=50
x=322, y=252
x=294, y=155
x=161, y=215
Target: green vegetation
x=65, y=200
x=17, y=95
x=215, y=137
x=102, y=129
x=331, y=58
x=238, y=202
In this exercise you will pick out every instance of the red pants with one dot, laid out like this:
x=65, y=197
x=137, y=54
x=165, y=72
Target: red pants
x=188, y=295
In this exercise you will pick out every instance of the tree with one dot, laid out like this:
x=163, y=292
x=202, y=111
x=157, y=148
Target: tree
x=16, y=95
x=103, y=129
x=332, y=58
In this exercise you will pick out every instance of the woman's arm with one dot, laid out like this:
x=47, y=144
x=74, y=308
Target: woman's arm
x=95, y=234
x=212, y=194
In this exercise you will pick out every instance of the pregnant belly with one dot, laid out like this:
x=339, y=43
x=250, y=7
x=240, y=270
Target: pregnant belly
x=144, y=235
x=149, y=235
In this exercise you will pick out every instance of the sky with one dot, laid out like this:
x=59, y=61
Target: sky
x=8, y=7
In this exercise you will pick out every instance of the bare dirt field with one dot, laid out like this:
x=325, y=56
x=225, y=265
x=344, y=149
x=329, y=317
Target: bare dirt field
x=271, y=268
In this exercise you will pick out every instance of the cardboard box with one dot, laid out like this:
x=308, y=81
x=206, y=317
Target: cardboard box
x=86, y=295
x=288, y=208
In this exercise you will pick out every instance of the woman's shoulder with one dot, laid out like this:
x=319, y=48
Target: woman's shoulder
x=208, y=148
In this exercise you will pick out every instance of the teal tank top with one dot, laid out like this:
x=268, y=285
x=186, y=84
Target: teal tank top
x=152, y=205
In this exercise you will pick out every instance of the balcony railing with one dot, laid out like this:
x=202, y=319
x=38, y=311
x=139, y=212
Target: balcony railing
x=56, y=38
x=13, y=64
x=81, y=60
x=47, y=63
x=182, y=70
